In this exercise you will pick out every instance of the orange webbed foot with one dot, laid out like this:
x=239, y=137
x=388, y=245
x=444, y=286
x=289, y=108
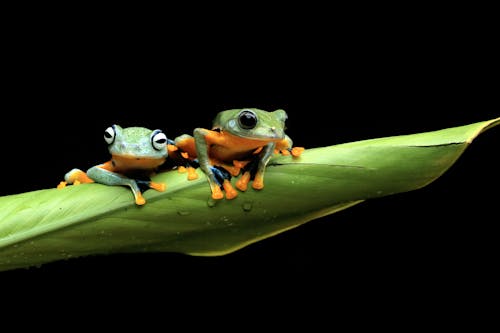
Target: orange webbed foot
x=171, y=148
x=297, y=151
x=61, y=185
x=139, y=200
x=242, y=183
x=285, y=152
x=192, y=175
x=160, y=187
x=258, y=182
x=217, y=193
x=231, y=193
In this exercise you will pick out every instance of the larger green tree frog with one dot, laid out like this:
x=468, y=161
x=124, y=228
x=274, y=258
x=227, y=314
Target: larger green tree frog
x=238, y=137
x=136, y=152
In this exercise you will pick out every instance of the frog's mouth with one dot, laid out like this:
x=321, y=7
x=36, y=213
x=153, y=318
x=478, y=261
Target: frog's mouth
x=270, y=134
x=128, y=162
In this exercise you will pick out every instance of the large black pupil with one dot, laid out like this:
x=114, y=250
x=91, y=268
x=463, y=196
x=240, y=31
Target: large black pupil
x=247, y=120
x=108, y=135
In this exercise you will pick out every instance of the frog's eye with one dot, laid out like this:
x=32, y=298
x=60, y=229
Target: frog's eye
x=158, y=140
x=247, y=119
x=109, y=135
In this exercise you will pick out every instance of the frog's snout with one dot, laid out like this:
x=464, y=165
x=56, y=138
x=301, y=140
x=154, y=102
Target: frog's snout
x=277, y=133
x=130, y=149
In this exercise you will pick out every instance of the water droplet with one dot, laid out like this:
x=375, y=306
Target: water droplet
x=247, y=206
x=183, y=213
x=225, y=218
x=211, y=202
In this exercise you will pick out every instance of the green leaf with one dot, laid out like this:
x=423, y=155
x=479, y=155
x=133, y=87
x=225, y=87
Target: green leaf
x=47, y=225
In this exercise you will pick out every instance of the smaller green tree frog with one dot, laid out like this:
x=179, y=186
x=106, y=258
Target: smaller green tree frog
x=136, y=152
x=240, y=140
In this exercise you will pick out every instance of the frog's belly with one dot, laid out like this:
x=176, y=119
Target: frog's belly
x=228, y=155
x=125, y=164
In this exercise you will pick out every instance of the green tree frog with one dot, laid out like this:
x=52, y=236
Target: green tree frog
x=135, y=152
x=241, y=140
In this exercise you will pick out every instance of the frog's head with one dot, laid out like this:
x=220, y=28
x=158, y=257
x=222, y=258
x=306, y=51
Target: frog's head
x=252, y=123
x=137, y=146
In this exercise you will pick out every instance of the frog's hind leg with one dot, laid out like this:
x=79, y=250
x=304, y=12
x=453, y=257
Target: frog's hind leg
x=223, y=179
x=103, y=176
x=75, y=177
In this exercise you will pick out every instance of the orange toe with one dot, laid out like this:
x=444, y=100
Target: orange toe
x=242, y=183
x=258, y=183
x=158, y=186
x=230, y=191
x=296, y=151
x=192, y=174
x=171, y=148
x=217, y=193
x=139, y=200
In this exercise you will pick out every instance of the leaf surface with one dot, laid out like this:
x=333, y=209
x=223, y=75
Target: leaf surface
x=47, y=225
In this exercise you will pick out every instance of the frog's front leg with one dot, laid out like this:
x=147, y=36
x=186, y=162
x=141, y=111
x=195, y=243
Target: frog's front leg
x=102, y=175
x=76, y=177
x=186, y=144
x=285, y=147
x=258, y=181
x=201, y=136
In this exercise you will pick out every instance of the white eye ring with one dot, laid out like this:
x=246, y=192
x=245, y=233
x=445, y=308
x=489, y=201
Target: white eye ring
x=158, y=140
x=110, y=134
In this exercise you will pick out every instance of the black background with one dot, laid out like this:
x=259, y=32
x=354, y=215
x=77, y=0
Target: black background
x=339, y=82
